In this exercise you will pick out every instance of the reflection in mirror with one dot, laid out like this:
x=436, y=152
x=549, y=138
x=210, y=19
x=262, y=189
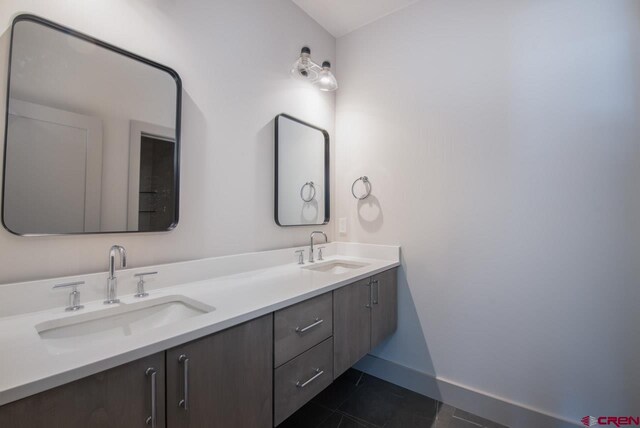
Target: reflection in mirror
x=302, y=173
x=92, y=137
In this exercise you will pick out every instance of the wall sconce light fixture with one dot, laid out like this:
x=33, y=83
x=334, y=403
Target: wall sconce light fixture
x=321, y=76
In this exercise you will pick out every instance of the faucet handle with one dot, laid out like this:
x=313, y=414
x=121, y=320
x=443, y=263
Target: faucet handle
x=320, y=253
x=74, y=285
x=300, y=254
x=141, y=275
x=74, y=296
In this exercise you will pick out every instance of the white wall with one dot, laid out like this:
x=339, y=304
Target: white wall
x=234, y=58
x=502, y=141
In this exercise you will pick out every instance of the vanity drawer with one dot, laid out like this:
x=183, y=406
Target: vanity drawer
x=301, y=326
x=298, y=381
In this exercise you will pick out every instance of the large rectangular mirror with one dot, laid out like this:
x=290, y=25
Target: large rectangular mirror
x=302, y=173
x=92, y=136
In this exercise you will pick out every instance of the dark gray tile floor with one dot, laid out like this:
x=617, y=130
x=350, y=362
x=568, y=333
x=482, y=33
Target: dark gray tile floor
x=358, y=400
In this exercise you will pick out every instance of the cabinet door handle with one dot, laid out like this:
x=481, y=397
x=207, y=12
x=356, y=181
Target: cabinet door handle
x=375, y=286
x=316, y=323
x=184, y=360
x=317, y=374
x=368, y=305
x=151, y=420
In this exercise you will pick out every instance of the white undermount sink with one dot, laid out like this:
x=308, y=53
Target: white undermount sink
x=65, y=334
x=336, y=267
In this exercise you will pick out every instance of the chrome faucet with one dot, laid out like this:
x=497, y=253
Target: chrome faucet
x=112, y=281
x=326, y=240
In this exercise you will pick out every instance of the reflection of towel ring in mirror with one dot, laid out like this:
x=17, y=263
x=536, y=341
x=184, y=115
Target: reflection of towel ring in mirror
x=367, y=185
x=313, y=191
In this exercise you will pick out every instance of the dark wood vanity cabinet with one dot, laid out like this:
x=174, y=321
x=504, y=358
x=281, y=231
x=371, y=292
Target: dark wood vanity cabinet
x=223, y=380
x=119, y=397
x=251, y=375
x=364, y=314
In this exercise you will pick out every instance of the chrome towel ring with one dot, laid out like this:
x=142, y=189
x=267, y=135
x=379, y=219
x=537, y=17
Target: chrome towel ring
x=313, y=191
x=367, y=185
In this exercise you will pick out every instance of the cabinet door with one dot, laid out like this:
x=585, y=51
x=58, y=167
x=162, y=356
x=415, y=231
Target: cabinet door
x=351, y=325
x=223, y=380
x=384, y=306
x=119, y=397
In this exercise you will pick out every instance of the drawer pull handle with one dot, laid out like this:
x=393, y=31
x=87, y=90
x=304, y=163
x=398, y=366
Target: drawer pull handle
x=184, y=403
x=317, y=374
x=151, y=420
x=317, y=322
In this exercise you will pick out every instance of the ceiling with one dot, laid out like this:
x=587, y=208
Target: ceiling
x=340, y=17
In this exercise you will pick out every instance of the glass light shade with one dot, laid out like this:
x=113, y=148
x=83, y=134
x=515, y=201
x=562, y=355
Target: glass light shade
x=303, y=68
x=326, y=80
x=300, y=69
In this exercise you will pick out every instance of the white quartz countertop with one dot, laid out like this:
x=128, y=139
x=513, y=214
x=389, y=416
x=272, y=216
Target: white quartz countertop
x=28, y=366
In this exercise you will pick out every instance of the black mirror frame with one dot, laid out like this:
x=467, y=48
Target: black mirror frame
x=327, y=169
x=90, y=39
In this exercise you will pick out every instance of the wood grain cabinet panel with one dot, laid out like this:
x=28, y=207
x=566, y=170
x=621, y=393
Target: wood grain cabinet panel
x=301, y=379
x=364, y=314
x=229, y=379
x=119, y=397
x=301, y=326
x=384, y=306
x=351, y=325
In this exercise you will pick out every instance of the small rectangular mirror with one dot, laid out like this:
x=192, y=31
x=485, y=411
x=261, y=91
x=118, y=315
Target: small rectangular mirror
x=302, y=173
x=92, y=136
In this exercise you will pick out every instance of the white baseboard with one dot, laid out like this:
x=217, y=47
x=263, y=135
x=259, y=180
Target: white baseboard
x=477, y=402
